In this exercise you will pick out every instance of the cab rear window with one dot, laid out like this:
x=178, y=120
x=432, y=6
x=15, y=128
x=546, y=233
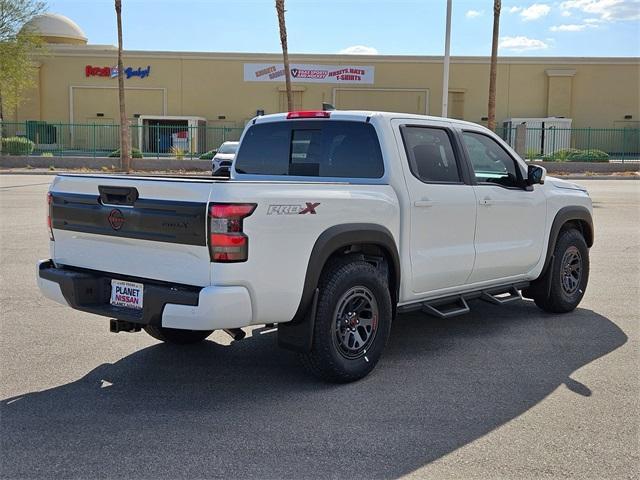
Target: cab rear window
x=314, y=148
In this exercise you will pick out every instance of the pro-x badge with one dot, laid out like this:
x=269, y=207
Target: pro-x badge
x=308, y=207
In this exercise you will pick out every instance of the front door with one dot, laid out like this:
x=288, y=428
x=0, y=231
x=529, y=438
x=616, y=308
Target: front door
x=442, y=206
x=510, y=225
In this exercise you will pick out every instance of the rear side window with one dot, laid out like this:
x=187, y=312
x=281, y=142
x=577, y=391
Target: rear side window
x=315, y=148
x=430, y=154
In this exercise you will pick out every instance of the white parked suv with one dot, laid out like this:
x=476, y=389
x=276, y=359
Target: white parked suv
x=222, y=160
x=331, y=223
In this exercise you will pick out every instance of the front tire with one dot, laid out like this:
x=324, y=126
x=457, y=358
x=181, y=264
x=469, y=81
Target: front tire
x=352, y=324
x=566, y=282
x=177, y=336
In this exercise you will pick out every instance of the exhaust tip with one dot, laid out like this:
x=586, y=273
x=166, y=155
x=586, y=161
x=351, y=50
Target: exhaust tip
x=236, y=333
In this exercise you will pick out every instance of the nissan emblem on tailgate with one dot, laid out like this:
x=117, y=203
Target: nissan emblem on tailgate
x=116, y=219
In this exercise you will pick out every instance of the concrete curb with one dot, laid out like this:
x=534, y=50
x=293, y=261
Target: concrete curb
x=599, y=177
x=583, y=167
x=99, y=163
x=13, y=172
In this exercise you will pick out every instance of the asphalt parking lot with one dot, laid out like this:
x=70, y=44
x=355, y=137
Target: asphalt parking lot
x=504, y=392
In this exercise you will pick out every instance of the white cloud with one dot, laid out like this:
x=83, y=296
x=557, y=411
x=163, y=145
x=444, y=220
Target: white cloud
x=568, y=28
x=535, y=11
x=474, y=13
x=515, y=9
x=521, y=44
x=359, y=50
x=606, y=10
x=566, y=13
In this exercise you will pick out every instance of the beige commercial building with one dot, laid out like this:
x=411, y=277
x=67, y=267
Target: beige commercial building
x=77, y=84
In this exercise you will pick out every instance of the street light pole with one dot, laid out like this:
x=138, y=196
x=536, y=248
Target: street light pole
x=445, y=75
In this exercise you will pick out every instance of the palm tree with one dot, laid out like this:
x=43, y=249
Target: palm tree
x=125, y=140
x=497, y=5
x=285, y=52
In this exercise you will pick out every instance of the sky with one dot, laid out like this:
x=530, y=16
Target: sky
x=386, y=27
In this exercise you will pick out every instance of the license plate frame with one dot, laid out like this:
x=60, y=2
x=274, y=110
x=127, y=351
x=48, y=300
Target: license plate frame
x=127, y=294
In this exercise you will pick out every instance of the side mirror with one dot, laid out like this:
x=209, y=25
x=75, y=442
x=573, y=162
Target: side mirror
x=536, y=175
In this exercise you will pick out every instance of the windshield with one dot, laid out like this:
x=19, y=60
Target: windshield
x=228, y=148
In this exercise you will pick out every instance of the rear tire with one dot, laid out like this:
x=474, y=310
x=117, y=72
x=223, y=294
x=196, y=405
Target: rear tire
x=566, y=282
x=177, y=336
x=352, y=324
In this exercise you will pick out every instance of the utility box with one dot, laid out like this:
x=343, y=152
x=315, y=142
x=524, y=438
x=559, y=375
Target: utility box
x=181, y=140
x=41, y=133
x=159, y=133
x=544, y=136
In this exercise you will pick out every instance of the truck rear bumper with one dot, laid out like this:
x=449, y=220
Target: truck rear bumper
x=172, y=306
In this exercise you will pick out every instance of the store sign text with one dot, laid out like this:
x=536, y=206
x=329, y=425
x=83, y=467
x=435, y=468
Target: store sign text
x=303, y=73
x=112, y=72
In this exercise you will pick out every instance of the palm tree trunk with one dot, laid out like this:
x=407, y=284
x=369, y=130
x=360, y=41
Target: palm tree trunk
x=497, y=5
x=125, y=141
x=285, y=52
x=1, y=118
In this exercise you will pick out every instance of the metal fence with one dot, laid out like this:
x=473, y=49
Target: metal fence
x=102, y=140
x=182, y=141
x=578, y=144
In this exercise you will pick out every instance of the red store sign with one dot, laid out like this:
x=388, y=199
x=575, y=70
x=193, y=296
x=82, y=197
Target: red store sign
x=112, y=72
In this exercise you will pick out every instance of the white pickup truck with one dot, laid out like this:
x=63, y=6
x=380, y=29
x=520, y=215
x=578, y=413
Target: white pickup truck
x=331, y=223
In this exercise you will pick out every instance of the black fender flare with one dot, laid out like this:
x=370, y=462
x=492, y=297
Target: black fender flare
x=541, y=286
x=298, y=333
x=564, y=215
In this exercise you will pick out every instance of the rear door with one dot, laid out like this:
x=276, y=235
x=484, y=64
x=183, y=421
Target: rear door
x=442, y=205
x=138, y=226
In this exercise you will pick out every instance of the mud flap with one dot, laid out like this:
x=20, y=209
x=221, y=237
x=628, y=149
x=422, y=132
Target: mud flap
x=540, y=288
x=298, y=336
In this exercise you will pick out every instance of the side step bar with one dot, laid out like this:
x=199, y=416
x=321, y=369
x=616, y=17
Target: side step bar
x=451, y=306
x=500, y=297
x=456, y=307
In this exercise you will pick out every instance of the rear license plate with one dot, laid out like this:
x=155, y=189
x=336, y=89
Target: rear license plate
x=127, y=294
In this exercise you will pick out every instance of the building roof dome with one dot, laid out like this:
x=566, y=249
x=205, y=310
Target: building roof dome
x=55, y=28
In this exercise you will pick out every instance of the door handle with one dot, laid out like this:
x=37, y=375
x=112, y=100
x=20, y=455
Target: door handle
x=486, y=201
x=425, y=202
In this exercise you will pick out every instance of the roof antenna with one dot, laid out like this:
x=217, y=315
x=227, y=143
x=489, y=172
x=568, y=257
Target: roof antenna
x=327, y=107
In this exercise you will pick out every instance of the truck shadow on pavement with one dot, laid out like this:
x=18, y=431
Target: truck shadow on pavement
x=249, y=411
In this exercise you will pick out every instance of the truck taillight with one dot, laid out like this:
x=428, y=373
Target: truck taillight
x=227, y=241
x=49, y=224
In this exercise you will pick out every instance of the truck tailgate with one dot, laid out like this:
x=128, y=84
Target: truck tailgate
x=149, y=227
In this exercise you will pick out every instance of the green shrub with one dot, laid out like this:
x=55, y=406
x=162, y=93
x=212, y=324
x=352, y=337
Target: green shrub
x=209, y=155
x=46, y=154
x=135, y=153
x=177, y=152
x=591, y=155
x=559, y=155
x=531, y=154
x=17, y=146
x=577, y=155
